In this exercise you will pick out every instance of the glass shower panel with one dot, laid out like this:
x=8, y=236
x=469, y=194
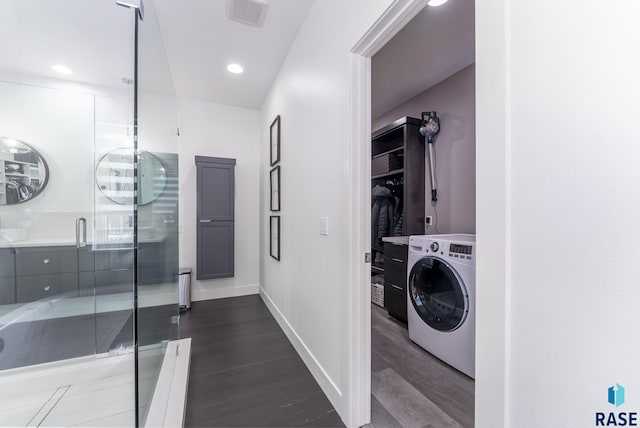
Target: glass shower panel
x=66, y=240
x=158, y=312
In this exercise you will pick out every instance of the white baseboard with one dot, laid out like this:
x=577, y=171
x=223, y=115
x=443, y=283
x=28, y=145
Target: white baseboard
x=328, y=386
x=212, y=292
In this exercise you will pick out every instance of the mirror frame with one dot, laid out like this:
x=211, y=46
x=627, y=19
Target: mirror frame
x=139, y=153
x=40, y=159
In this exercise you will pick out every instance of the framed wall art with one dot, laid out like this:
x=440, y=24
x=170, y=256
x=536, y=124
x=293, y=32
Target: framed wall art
x=275, y=189
x=274, y=234
x=275, y=141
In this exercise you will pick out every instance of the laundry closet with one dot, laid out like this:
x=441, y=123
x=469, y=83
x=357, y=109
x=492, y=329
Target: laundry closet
x=423, y=221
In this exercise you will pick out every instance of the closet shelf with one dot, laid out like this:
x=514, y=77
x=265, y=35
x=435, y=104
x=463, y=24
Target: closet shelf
x=17, y=161
x=386, y=174
x=11, y=174
x=397, y=149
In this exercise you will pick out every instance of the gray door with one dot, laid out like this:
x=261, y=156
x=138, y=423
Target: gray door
x=215, y=217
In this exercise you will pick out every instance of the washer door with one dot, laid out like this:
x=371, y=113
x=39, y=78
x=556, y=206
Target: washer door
x=438, y=294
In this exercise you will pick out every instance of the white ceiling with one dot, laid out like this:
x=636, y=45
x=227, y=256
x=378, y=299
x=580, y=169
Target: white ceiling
x=94, y=39
x=437, y=43
x=201, y=41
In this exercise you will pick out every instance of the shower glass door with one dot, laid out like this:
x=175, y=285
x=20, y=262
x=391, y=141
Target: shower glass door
x=157, y=238
x=67, y=235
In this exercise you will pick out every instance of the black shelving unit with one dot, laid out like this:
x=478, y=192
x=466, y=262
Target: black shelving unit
x=398, y=159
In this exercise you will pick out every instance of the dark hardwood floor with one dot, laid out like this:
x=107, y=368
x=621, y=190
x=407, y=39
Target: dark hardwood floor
x=245, y=373
x=411, y=387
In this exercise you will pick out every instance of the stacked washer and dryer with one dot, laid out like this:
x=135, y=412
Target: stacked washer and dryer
x=441, y=297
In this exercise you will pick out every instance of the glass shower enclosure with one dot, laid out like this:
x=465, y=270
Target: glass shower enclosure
x=88, y=213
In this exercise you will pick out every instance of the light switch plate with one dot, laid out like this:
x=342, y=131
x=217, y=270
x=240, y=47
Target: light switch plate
x=324, y=226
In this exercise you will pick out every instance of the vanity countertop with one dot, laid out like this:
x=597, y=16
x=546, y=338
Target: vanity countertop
x=62, y=243
x=37, y=243
x=402, y=240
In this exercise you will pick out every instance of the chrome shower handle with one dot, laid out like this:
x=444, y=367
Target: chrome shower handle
x=81, y=221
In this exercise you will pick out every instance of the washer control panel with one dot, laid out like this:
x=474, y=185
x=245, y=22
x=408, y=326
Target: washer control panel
x=460, y=251
x=453, y=247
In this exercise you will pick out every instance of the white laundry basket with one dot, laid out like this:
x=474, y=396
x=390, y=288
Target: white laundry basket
x=184, y=298
x=377, y=294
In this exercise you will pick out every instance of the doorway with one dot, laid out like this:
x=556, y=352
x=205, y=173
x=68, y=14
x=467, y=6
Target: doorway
x=391, y=24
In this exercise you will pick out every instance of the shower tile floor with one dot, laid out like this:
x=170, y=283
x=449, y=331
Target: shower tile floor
x=86, y=391
x=94, y=390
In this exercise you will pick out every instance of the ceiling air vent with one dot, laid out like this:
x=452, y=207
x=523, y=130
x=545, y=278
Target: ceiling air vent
x=250, y=12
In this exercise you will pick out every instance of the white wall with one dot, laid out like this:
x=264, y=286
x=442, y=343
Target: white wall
x=568, y=176
x=454, y=101
x=158, y=119
x=59, y=125
x=220, y=131
x=307, y=290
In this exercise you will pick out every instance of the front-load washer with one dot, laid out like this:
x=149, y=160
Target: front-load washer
x=441, y=297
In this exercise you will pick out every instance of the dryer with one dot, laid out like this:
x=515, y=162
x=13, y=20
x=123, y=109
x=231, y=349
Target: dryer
x=441, y=297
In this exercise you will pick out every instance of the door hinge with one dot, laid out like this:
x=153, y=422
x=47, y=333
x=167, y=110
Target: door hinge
x=367, y=257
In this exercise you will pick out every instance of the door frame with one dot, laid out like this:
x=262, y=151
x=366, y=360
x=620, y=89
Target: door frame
x=397, y=15
x=493, y=217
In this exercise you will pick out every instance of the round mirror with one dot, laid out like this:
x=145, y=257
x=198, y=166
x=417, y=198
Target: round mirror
x=114, y=176
x=23, y=172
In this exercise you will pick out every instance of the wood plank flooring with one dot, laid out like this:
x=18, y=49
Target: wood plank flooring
x=445, y=395
x=245, y=373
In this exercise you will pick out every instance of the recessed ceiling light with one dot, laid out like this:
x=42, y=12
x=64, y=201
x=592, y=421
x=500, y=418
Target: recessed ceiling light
x=61, y=69
x=436, y=2
x=235, y=68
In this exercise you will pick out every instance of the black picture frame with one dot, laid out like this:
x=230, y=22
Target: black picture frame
x=274, y=141
x=274, y=236
x=274, y=187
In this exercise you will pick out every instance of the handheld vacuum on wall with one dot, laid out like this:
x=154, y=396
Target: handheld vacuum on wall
x=429, y=130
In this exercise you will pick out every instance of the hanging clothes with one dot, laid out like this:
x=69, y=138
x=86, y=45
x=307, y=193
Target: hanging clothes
x=399, y=227
x=383, y=212
x=12, y=193
x=18, y=191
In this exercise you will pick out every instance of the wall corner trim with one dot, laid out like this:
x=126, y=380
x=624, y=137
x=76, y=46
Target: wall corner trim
x=327, y=384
